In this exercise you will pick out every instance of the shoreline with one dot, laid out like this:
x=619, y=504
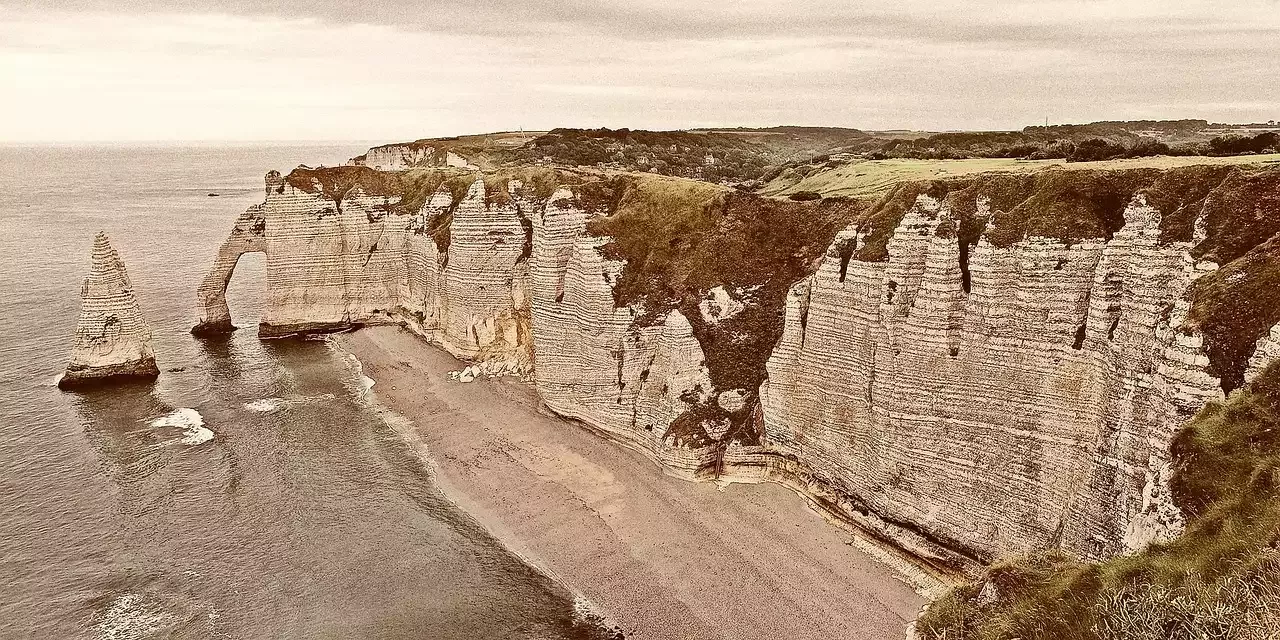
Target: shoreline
x=660, y=557
x=407, y=430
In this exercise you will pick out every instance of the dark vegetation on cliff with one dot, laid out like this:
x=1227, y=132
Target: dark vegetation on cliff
x=713, y=155
x=729, y=155
x=1220, y=579
x=682, y=238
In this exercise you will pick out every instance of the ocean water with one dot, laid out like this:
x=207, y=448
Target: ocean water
x=251, y=492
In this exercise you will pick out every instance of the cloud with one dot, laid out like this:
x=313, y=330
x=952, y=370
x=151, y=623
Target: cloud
x=219, y=69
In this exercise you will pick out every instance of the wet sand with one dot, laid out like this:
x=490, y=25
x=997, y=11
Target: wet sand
x=661, y=557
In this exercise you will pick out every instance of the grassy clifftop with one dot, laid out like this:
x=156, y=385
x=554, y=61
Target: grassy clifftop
x=862, y=178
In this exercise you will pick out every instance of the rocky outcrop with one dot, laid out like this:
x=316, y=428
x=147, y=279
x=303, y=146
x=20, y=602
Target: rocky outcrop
x=333, y=254
x=467, y=289
x=112, y=340
x=410, y=155
x=248, y=235
x=969, y=368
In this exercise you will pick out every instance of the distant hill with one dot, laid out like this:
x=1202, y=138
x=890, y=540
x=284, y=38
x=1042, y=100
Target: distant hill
x=714, y=155
x=750, y=157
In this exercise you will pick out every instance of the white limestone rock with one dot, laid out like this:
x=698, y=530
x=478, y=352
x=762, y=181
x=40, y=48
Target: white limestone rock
x=112, y=339
x=409, y=155
x=248, y=235
x=1033, y=411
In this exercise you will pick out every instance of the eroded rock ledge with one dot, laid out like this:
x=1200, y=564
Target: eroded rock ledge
x=967, y=368
x=112, y=340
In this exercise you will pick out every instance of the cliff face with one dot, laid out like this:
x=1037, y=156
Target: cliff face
x=409, y=155
x=466, y=285
x=593, y=362
x=1003, y=394
x=969, y=367
x=112, y=339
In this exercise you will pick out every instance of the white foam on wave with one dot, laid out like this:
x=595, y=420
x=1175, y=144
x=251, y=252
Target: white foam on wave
x=131, y=616
x=264, y=405
x=189, y=421
x=365, y=383
x=587, y=613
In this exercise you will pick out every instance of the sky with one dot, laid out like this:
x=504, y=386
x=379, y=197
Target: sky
x=221, y=70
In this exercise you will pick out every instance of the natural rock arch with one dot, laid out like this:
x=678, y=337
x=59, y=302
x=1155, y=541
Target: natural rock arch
x=247, y=236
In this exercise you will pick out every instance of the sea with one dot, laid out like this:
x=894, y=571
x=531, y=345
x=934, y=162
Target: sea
x=255, y=490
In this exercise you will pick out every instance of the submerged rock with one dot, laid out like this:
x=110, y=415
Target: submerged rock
x=112, y=339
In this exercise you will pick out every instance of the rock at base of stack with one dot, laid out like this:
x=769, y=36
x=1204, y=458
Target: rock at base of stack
x=112, y=340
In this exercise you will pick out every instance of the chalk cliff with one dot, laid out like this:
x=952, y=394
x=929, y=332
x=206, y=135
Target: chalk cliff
x=332, y=248
x=112, y=339
x=409, y=155
x=968, y=368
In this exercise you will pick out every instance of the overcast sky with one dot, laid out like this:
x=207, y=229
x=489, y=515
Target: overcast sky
x=76, y=70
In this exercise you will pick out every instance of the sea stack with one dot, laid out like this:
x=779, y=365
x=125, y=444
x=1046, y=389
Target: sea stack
x=113, y=340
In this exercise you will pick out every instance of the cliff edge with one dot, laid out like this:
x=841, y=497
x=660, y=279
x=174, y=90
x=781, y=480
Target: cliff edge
x=112, y=339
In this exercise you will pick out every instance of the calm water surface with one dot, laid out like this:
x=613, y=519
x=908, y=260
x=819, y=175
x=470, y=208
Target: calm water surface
x=250, y=492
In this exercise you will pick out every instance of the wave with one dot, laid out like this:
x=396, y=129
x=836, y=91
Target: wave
x=264, y=405
x=189, y=421
x=268, y=405
x=364, y=382
x=132, y=616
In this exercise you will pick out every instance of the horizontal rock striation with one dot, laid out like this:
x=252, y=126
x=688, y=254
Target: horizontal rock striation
x=349, y=246
x=594, y=364
x=112, y=339
x=967, y=368
x=981, y=394
x=333, y=253
x=467, y=290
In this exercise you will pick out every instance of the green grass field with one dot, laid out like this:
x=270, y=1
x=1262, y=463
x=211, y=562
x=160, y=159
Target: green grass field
x=874, y=178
